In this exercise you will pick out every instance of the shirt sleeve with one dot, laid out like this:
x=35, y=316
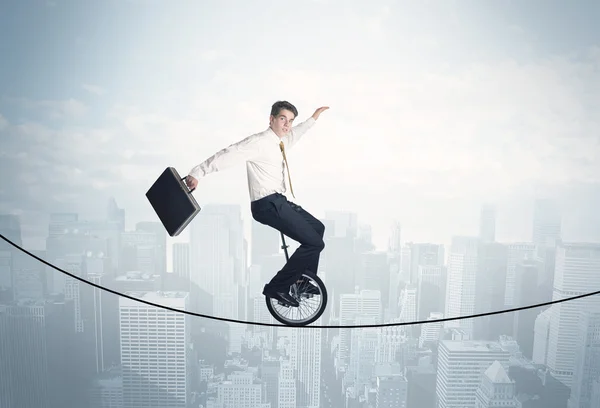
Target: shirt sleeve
x=296, y=133
x=237, y=153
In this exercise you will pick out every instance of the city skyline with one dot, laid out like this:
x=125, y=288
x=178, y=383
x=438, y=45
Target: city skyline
x=456, y=171
x=484, y=235
x=546, y=223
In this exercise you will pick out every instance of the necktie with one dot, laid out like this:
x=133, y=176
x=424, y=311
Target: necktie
x=288, y=167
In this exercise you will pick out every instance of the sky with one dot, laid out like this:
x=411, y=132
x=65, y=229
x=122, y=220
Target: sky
x=435, y=107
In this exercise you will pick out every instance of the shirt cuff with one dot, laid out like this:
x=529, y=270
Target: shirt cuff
x=195, y=172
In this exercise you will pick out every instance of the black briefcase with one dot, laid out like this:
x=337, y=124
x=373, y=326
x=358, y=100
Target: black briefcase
x=173, y=201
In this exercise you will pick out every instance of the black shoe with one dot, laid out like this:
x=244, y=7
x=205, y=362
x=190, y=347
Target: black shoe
x=284, y=298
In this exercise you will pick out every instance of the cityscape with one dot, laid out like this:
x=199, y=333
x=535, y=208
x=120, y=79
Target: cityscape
x=456, y=171
x=67, y=344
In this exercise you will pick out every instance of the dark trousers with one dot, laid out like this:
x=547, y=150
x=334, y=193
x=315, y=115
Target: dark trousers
x=293, y=221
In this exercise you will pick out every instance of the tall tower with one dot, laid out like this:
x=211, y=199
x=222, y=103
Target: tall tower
x=365, y=304
x=577, y=273
x=546, y=222
x=487, y=223
x=154, y=351
x=10, y=227
x=587, y=361
x=462, y=275
x=306, y=360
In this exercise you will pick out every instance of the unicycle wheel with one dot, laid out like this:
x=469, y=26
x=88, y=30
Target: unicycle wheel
x=311, y=305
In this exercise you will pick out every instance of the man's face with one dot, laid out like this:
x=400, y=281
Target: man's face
x=282, y=123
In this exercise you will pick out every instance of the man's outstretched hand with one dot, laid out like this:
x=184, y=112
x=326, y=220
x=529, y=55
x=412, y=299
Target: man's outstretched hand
x=319, y=111
x=191, y=182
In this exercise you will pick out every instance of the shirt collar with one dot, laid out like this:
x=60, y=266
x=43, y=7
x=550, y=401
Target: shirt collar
x=274, y=135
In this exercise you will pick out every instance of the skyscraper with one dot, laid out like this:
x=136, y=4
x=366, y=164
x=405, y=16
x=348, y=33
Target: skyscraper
x=487, y=223
x=154, y=350
x=577, y=273
x=462, y=273
x=546, y=222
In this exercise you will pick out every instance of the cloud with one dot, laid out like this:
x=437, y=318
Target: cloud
x=375, y=23
x=94, y=89
x=483, y=131
x=214, y=55
x=407, y=121
x=50, y=164
x=499, y=123
x=54, y=109
x=3, y=123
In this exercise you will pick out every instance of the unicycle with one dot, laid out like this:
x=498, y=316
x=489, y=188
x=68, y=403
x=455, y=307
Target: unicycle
x=311, y=305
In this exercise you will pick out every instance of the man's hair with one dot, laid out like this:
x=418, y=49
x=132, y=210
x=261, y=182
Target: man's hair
x=280, y=105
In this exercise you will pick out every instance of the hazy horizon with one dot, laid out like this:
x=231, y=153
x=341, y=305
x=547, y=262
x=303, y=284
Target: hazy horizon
x=436, y=108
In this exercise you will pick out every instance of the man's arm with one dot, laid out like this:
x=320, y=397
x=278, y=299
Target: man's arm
x=296, y=133
x=236, y=153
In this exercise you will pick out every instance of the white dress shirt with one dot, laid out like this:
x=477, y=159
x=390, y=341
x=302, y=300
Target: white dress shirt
x=264, y=162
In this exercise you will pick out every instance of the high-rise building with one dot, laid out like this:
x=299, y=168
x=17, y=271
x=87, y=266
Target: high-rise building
x=140, y=251
x=346, y=223
x=373, y=273
x=460, y=366
x=241, y=389
x=154, y=350
x=487, y=223
x=395, y=241
x=541, y=335
x=269, y=373
x=577, y=273
x=37, y=343
x=392, y=391
x=287, y=386
x=517, y=253
x=546, y=222
x=366, y=303
x=305, y=358
x=587, y=361
x=424, y=254
x=524, y=320
x=181, y=259
x=430, y=332
x=431, y=290
x=10, y=227
x=461, y=283
x=160, y=253
x=490, y=291
x=265, y=242
x=214, y=258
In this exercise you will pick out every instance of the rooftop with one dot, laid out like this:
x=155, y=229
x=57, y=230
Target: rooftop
x=497, y=373
x=157, y=295
x=472, y=346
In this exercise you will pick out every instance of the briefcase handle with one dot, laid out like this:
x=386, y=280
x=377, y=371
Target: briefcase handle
x=192, y=190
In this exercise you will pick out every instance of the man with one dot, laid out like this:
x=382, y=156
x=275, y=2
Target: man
x=266, y=163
